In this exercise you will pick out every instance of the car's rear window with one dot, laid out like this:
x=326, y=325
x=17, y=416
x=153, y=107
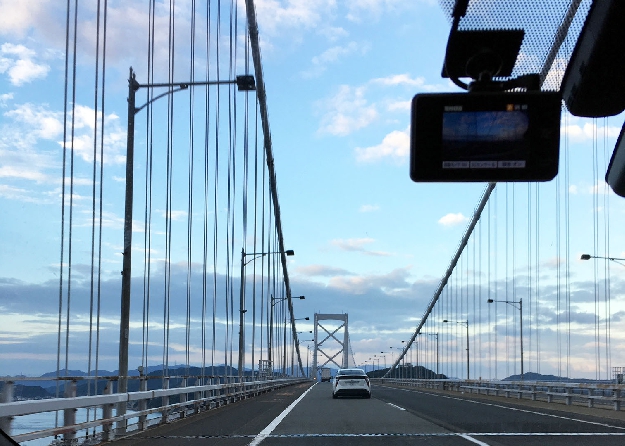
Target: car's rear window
x=357, y=372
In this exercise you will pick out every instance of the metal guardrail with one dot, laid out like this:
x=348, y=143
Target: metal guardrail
x=205, y=397
x=590, y=393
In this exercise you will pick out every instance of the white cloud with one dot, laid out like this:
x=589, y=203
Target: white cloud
x=5, y=98
x=453, y=219
x=358, y=245
x=400, y=79
x=333, y=33
x=358, y=9
x=17, y=62
x=30, y=136
x=176, y=215
x=346, y=112
x=19, y=194
x=390, y=282
x=274, y=15
x=41, y=122
x=402, y=106
x=369, y=208
x=331, y=55
x=37, y=122
x=600, y=188
x=395, y=145
x=17, y=17
x=321, y=271
x=587, y=131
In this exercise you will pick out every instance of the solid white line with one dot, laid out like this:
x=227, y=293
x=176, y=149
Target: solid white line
x=473, y=440
x=271, y=426
x=396, y=407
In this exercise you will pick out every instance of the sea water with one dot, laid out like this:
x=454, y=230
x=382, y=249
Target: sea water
x=47, y=420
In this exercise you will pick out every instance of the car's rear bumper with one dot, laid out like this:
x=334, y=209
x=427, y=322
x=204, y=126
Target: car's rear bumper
x=352, y=392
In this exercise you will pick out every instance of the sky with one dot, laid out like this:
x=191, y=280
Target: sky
x=368, y=241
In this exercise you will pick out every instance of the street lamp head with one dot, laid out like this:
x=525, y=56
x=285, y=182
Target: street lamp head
x=299, y=297
x=490, y=301
x=445, y=320
x=585, y=257
x=289, y=252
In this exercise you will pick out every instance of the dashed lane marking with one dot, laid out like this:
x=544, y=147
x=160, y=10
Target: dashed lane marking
x=467, y=436
x=534, y=412
x=395, y=406
x=473, y=440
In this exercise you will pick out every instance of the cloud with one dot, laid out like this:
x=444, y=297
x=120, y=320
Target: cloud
x=5, y=98
x=395, y=146
x=373, y=9
x=321, y=271
x=17, y=17
x=369, y=208
x=17, y=62
x=333, y=33
x=23, y=154
x=400, y=79
x=390, y=283
x=175, y=215
x=346, y=112
x=41, y=122
x=357, y=245
x=275, y=16
x=587, y=131
x=20, y=194
x=402, y=106
x=453, y=219
x=331, y=55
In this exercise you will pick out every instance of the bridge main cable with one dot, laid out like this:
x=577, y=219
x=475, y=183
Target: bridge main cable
x=262, y=103
x=441, y=286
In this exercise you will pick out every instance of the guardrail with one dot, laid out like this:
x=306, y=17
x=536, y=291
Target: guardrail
x=590, y=393
x=203, y=397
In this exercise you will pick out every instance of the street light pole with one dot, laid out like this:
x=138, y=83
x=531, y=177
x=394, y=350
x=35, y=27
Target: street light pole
x=466, y=324
x=614, y=259
x=242, y=310
x=513, y=303
x=244, y=83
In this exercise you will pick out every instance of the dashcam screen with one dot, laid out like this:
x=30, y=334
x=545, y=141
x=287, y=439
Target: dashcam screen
x=485, y=139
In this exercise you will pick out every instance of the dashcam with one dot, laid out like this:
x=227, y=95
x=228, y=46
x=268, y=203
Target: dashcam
x=485, y=136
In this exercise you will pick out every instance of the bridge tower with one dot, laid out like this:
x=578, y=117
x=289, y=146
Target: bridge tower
x=324, y=356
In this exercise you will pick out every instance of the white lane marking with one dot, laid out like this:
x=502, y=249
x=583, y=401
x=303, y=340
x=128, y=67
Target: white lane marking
x=473, y=440
x=271, y=426
x=395, y=406
x=513, y=408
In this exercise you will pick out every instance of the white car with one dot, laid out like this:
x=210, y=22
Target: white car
x=351, y=382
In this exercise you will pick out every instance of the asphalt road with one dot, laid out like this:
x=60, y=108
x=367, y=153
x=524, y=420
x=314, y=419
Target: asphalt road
x=390, y=417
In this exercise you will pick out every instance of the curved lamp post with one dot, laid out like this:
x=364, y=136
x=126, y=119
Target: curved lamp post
x=244, y=83
x=466, y=324
x=614, y=259
x=514, y=304
x=242, y=310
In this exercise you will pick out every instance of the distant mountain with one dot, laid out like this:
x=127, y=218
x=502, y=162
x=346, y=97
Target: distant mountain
x=408, y=372
x=21, y=392
x=530, y=376
x=48, y=386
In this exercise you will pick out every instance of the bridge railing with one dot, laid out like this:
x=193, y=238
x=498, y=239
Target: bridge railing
x=569, y=393
x=218, y=392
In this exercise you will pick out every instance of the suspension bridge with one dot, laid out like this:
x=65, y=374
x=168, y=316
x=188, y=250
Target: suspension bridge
x=197, y=310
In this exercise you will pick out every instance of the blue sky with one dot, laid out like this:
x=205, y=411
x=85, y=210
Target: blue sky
x=339, y=79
